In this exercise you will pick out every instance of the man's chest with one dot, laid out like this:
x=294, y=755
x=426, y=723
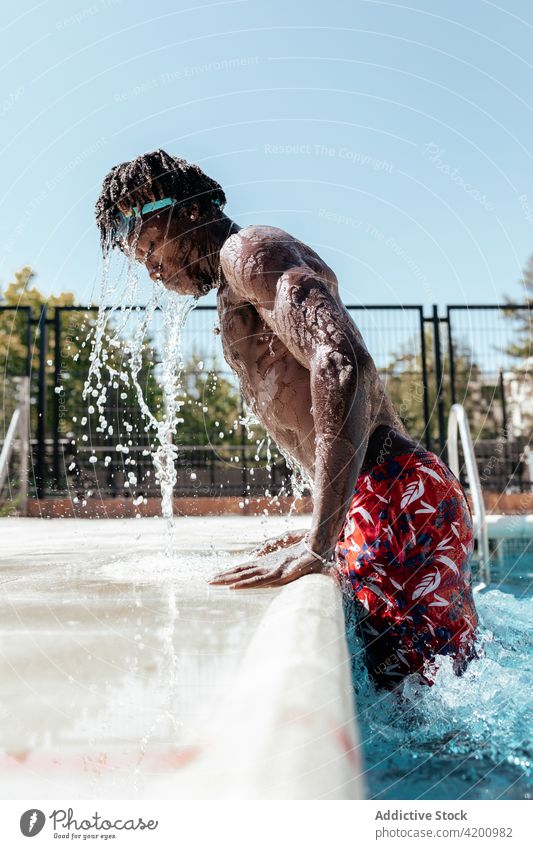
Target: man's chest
x=255, y=353
x=273, y=382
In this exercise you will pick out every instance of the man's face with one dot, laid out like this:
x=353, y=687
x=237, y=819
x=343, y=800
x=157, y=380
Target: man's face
x=169, y=243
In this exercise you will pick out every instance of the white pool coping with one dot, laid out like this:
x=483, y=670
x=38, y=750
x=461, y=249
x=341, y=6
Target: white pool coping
x=283, y=728
x=286, y=730
x=514, y=526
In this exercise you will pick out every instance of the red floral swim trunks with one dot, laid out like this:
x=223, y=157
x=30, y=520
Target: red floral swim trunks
x=406, y=545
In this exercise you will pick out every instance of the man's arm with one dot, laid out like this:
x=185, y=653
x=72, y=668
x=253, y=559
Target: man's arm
x=320, y=335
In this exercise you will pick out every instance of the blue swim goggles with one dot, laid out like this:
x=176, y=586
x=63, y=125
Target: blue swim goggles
x=125, y=222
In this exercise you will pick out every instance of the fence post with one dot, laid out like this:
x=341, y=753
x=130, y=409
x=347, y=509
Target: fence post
x=41, y=406
x=57, y=396
x=425, y=389
x=451, y=356
x=29, y=342
x=24, y=441
x=501, y=386
x=244, y=467
x=505, y=432
x=25, y=419
x=438, y=380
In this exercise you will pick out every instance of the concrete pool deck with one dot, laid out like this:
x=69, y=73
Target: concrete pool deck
x=125, y=675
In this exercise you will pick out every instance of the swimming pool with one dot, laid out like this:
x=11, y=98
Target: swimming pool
x=125, y=675
x=116, y=663
x=469, y=737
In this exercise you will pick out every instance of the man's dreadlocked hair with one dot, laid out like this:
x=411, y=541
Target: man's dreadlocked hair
x=150, y=177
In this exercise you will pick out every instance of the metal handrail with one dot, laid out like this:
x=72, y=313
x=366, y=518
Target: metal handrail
x=7, y=447
x=18, y=425
x=458, y=423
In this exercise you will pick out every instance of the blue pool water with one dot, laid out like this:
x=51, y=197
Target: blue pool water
x=468, y=737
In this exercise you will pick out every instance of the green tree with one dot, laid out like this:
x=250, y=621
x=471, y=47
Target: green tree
x=20, y=293
x=77, y=327
x=210, y=410
x=403, y=379
x=521, y=348
x=518, y=379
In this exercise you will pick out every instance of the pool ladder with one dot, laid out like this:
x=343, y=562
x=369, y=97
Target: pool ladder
x=458, y=424
x=18, y=427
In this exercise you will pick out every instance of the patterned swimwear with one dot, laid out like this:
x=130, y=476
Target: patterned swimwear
x=405, y=545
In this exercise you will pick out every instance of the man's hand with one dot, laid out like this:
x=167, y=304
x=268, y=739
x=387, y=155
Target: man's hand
x=273, y=570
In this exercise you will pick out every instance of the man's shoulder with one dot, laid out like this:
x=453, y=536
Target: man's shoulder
x=256, y=249
x=259, y=235
x=254, y=259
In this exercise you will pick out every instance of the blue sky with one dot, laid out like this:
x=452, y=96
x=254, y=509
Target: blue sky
x=394, y=138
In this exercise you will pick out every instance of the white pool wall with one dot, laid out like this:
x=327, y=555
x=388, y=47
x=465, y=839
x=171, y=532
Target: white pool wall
x=510, y=526
x=280, y=723
x=286, y=730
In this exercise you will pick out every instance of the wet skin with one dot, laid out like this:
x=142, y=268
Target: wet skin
x=301, y=361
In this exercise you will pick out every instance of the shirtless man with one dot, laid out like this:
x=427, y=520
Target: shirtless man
x=387, y=514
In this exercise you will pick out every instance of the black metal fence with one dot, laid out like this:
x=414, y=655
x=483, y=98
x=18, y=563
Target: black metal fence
x=475, y=355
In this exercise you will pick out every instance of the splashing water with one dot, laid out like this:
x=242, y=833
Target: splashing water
x=467, y=737
x=300, y=480
x=117, y=312
x=123, y=326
